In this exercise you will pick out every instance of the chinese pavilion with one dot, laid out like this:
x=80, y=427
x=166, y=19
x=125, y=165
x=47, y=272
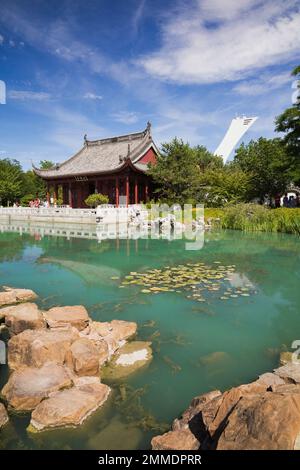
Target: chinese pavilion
x=115, y=166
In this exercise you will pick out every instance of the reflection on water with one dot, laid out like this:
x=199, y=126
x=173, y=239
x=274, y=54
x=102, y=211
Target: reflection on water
x=197, y=347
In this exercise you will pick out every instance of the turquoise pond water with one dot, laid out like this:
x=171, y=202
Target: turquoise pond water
x=248, y=331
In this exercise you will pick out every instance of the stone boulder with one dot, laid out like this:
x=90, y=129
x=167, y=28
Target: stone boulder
x=128, y=359
x=69, y=407
x=285, y=357
x=36, y=347
x=114, y=333
x=27, y=387
x=76, y=316
x=24, y=316
x=3, y=415
x=175, y=440
x=83, y=357
x=11, y=296
x=290, y=372
x=267, y=421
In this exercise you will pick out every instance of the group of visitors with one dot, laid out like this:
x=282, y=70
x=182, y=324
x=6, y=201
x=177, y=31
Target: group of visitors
x=290, y=202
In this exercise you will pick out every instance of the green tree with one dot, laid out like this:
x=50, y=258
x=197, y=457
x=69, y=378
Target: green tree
x=178, y=170
x=266, y=163
x=289, y=123
x=46, y=165
x=94, y=200
x=11, y=180
x=226, y=185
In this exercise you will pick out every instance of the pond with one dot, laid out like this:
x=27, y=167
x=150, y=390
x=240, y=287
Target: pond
x=197, y=346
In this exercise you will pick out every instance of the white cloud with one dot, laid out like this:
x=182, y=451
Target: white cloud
x=11, y=43
x=263, y=84
x=25, y=95
x=1, y=39
x=219, y=40
x=92, y=96
x=125, y=117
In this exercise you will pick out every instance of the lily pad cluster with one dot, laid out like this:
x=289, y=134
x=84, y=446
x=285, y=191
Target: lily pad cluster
x=193, y=279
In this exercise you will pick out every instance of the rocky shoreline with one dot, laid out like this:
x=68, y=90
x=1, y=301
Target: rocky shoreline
x=262, y=415
x=57, y=358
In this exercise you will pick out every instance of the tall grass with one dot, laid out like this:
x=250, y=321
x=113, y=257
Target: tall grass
x=253, y=217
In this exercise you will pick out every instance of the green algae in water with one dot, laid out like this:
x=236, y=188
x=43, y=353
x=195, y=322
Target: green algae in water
x=248, y=329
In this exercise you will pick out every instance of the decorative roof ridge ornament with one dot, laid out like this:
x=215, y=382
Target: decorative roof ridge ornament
x=148, y=129
x=85, y=139
x=128, y=151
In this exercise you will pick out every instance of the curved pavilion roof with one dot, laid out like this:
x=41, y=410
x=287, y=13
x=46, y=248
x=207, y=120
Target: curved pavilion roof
x=108, y=155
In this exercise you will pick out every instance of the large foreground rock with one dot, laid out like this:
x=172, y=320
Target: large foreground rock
x=128, y=359
x=36, y=347
x=27, y=387
x=268, y=421
x=76, y=316
x=69, y=407
x=3, y=415
x=175, y=440
x=11, y=296
x=84, y=357
x=25, y=316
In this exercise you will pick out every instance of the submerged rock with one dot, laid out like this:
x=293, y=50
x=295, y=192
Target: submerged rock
x=69, y=407
x=83, y=357
x=25, y=316
x=76, y=316
x=3, y=415
x=27, y=387
x=285, y=357
x=117, y=435
x=14, y=296
x=36, y=347
x=128, y=359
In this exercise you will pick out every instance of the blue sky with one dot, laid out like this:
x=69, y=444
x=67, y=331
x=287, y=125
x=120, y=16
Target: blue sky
x=106, y=67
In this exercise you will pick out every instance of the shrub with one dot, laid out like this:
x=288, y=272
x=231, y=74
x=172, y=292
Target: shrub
x=254, y=217
x=25, y=200
x=94, y=200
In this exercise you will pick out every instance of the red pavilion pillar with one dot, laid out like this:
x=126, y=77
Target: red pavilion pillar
x=70, y=194
x=117, y=191
x=48, y=195
x=135, y=191
x=146, y=192
x=55, y=194
x=127, y=191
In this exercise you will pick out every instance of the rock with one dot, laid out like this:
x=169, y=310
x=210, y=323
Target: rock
x=83, y=357
x=215, y=413
x=36, y=347
x=79, y=381
x=196, y=406
x=114, y=333
x=214, y=358
x=119, y=329
x=270, y=380
x=290, y=372
x=27, y=387
x=69, y=407
x=175, y=440
x=285, y=357
x=14, y=296
x=3, y=415
x=22, y=317
x=76, y=316
x=129, y=358
x=267, y=421
x=117, y=435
